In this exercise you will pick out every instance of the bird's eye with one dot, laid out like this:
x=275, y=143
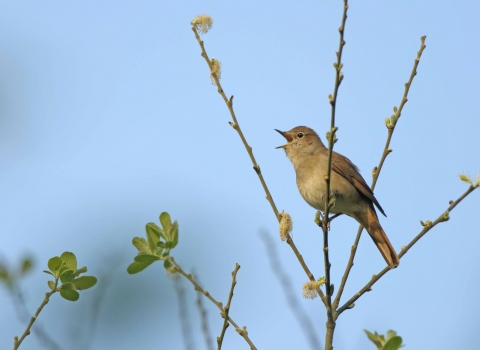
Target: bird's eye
x=300, y=135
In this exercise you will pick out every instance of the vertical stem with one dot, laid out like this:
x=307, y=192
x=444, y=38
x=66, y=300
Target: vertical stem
x=329, y=336
x=333, y=100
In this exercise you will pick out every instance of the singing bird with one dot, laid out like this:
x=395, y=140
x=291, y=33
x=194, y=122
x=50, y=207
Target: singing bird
x=353, y=196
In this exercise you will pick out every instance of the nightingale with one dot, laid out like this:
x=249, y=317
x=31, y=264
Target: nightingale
x=353, y=196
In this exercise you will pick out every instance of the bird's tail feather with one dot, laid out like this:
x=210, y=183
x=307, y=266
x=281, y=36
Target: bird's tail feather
x=373, y=227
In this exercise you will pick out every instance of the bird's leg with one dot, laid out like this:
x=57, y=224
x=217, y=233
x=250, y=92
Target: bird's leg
x=319, y=219
x=331, y=219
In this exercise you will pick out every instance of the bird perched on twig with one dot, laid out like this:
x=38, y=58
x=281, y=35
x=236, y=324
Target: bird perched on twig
x=353, y=196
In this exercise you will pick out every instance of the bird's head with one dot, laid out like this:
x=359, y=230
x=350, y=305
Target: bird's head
x=301, y=140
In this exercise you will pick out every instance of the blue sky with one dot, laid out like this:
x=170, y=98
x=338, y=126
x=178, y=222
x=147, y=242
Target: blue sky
x=108, y=117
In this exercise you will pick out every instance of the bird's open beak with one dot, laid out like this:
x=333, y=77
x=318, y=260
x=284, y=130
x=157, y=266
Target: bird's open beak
x=284, y=134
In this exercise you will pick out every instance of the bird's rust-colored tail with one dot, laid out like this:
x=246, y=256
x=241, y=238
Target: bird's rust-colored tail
x=369, y=221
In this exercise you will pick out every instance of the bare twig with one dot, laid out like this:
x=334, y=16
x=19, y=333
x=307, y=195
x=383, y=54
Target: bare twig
x=443, y=217
x=17, y=341
x=300, y=315
x=242, y=331
x=227, y=307
x=333, y=101
x=256, y=167
x=23, y=314
x=376, y=172
x=204, y=318
x=235, y=124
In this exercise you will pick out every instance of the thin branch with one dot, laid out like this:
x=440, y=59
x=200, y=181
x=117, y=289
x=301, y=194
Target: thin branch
x=256, y=167
x=333, y=129
x=204, y=319
x=242, y=331
x=376, y=172
x=235, y=124
x=443, y=217
x=23, y=314
x=17, y=342
x=227, y=307
x=295, y=306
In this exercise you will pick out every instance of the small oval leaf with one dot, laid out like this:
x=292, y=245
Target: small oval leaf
x=165, y=221
x=70, y=260
x=136, y=267
x=84, y=282
x=141, y=244
x=51, y=285
x=154, y=229
x=79, y=271
x=54, y=264
x=66, y=276
x=68, y=286
x=393, y=344
x=146, y=257
x=69, y=294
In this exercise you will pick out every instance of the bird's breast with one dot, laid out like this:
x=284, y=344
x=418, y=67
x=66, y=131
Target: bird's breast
x=312, y=187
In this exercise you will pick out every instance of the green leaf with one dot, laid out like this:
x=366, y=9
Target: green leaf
x=374, y=339
x=390, y=334
x=174, y=231
x=69, y=260
x=136, y=267
x=63, y=269
x=141, y=244
x=157, y=231
x=68, y=286
x=54, y=264
x=161, y=244
x=394, y=343
x=84, y=282
x=146, y=257
x=66, y=276
x=79, y=271
x=165, y=221
x=70, y=294
x=51, y=285
x=49, y=273
x=152, y=239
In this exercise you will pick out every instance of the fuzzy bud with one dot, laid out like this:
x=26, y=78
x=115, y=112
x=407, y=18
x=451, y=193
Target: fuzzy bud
x=202, y=23
x=309, y=290
x=215, y=71
x=465, y=178
x=286, y=225
x=172, y=273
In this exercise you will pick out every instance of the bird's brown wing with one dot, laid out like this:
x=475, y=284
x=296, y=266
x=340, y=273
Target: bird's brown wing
x=344, y=167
